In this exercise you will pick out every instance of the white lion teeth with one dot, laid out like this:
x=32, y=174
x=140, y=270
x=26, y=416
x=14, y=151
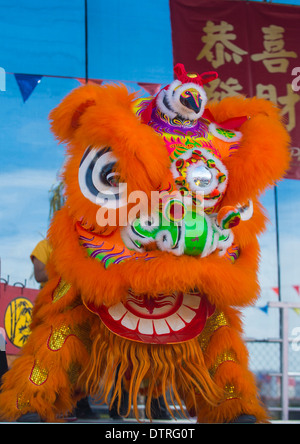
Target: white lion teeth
x=191, y=301
x=130, y=321
x=117, y=311
x=186, y=314
x=161, y=326
x=175, y=322
x=146, y=326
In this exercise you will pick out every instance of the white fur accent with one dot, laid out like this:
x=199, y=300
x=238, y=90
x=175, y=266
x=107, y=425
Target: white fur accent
x=167, y=243
x=222, y=245
x=162, y=106
x=172, y=96
x=246, y=211
x=174, y=100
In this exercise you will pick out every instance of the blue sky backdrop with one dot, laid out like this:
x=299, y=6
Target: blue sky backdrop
x=127, y=41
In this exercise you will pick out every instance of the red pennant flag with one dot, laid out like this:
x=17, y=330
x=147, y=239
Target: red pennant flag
x=90, y=81
x=276, y=290
x=95, y=81
x=297, y=288
x=151, y=88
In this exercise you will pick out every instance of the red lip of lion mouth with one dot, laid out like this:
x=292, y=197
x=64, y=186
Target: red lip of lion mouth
x=169, y=318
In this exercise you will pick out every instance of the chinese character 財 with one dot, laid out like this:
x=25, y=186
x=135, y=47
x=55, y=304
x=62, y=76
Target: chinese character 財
x=219, y=38
x=287, y=103
x=274, y=56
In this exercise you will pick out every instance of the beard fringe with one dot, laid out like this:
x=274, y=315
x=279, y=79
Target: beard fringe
x=151, y=369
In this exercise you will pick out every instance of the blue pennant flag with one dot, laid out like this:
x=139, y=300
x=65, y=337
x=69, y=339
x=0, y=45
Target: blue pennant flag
x=265, y=309
x=27, y=83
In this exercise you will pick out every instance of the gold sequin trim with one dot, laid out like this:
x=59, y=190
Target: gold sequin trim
x=38, y=375
x=227, y=356
x=231, y=392
x=58, y=337
x=21, y=402
x=61, y=290
x=217, y=320
x=82, y=331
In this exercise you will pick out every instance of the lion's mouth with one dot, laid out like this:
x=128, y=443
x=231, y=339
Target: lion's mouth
x=168, y=318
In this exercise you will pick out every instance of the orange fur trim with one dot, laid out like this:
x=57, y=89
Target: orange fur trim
x=167, y=369
x=234, y=374
x=56, y=395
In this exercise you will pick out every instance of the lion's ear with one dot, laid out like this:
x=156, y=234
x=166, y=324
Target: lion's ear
x=65, y=118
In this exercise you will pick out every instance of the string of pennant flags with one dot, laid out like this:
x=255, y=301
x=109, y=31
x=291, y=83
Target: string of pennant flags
x=265, y=308
x=28, y=82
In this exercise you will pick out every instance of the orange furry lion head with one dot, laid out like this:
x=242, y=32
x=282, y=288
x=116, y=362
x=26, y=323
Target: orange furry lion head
x=155, y=278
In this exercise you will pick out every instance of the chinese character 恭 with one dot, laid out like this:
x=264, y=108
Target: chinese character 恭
x=274, y=56
x=287, y=103
x=218, y=90
x=220, y=38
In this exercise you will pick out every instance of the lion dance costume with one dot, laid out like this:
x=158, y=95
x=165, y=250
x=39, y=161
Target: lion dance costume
x=148, y=298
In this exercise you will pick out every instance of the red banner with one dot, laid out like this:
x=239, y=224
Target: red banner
x=253, y=46
x=16, y=304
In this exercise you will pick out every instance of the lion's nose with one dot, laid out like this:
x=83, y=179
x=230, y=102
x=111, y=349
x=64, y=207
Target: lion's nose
x=191, y=99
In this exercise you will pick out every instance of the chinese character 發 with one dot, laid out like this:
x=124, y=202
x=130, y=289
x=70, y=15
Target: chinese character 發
x=218, y=90
x=274, y=56
x=219, y=38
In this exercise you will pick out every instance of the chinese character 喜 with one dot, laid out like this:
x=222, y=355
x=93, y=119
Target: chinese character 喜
x=274, y=57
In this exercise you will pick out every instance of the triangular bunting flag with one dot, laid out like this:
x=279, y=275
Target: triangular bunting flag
x=297, y=288
x=151, y=88
x=276, y=290
x=90, y=81
x=27, y=83
x=95, y=81
x=297, y=310
x=265, y=309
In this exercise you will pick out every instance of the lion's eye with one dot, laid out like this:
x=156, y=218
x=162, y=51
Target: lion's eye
x=98, y=180
x=108, y=176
